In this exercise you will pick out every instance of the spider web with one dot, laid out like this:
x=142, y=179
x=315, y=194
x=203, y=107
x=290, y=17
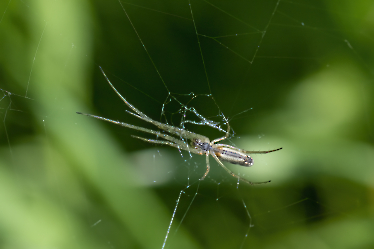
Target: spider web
x=291, y=74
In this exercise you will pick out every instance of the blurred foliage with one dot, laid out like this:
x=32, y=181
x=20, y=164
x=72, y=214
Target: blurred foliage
x=297, y=75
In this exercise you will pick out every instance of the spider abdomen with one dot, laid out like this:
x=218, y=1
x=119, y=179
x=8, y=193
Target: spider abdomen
x=233, y=156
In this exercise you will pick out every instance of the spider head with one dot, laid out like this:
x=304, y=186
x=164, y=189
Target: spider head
x=197, y=143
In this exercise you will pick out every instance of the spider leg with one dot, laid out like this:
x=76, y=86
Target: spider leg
x=260, y=152
x=207, y=168
x=225, y=136
x=246, y=151
x=124, y=124
x=155, y=141
x=233, y=174
x=176, y=144
x=123, y=99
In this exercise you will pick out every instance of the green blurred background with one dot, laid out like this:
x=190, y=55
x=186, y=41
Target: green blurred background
x=292, y=74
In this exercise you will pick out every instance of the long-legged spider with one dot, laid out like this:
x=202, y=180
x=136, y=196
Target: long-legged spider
x=199, y=144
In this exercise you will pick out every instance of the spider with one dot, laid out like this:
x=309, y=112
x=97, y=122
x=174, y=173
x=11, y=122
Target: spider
x=199, y=144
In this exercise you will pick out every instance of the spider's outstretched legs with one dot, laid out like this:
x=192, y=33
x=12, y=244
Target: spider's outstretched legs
x=171, y=129
x=179, y=138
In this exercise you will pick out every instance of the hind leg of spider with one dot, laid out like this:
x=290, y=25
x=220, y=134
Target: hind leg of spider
x=235, y=175
x=260, y=152
x=246, y=151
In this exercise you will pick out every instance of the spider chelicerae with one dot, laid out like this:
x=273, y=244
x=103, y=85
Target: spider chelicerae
x=199, y=144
